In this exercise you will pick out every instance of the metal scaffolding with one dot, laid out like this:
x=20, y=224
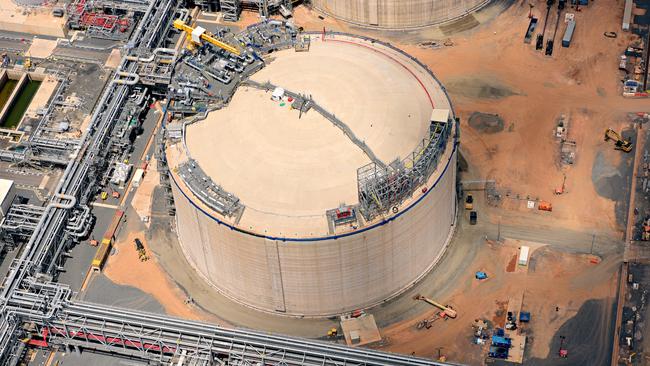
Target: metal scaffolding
x=230, y=9
x=201, y=185
x=383, y=189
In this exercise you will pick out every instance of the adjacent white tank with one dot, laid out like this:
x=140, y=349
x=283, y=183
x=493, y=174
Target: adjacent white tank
x=29, y=2
x=397, y=13
x=282, y=253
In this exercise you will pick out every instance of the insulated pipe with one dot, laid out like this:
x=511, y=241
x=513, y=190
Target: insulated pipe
x=141, y=97
x=135, y=78
x=67, y=206
x=156, y=52
x=83, y=217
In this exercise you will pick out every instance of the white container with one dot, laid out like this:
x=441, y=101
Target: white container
x=523, y=255
x=137, y=177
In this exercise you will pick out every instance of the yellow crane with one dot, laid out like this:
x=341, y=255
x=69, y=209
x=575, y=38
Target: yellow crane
x=447, y=310
x=196, y=35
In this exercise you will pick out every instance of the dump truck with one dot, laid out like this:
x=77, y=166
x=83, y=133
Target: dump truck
x=619, y=142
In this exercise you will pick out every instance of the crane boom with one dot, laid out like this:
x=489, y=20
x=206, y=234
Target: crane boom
x=194, y=34
x=445, y=309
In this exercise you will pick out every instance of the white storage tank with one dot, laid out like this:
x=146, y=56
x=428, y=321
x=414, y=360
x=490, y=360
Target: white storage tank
x=397, y=13
x=270, y=202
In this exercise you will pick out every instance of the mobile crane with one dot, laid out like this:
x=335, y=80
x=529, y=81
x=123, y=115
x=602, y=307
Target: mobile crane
x=446, y=310
x=196, y=35
x=619, y=142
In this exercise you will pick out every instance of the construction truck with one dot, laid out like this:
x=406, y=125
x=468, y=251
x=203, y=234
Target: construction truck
x=142, y=253
x=447, y=311
x=469, y=202
x=196, y=36
x=619, y=142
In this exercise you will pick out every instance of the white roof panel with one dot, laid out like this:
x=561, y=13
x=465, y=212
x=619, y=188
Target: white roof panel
x=440, y=115
x=5, y=187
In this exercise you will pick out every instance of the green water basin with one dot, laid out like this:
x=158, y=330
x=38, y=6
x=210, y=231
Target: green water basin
x=20, y=104
x=6, y=91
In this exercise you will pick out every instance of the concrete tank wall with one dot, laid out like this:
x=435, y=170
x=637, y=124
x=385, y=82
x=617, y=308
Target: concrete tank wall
x=397, y=13
x=327, y=276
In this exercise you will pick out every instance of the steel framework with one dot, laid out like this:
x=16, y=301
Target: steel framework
x=382, y=189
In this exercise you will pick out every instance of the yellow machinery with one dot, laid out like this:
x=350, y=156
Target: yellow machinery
x=142, y=253
x=446, y=310
x=196, y=35
x=469, y=202
x=619, y=142
x=102, y=254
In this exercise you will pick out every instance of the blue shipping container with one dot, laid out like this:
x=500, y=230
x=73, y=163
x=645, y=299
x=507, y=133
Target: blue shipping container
x=568, y=34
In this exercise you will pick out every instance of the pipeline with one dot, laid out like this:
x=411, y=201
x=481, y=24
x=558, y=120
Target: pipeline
x=142, y=96
x=156, y=52
x=183, y=14
x=135, y=78
x=80, y=223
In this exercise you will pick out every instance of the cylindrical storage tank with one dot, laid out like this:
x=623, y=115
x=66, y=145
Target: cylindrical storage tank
x=397, y=13
x=289, y=212
x=29, y=2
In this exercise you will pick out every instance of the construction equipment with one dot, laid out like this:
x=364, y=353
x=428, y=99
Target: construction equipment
x=447, y=311
x=27, y=63
x=196, y=35
x=469, y=202
x=544, y=206
x=473, y=217
x=332, y=333
x=560, y=190
x=101, y=255
x=142, y=253
x=427, y=323
x=104, y=196
x=619, y=142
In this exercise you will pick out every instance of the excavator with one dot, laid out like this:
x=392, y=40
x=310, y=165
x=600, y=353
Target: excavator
x=619, y=142
x=446, y=310
x=142, y=253
x=196, y=35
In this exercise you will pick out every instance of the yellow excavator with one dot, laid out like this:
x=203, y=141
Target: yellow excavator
x=619, y=142
x=446, y=310
x=196, y=35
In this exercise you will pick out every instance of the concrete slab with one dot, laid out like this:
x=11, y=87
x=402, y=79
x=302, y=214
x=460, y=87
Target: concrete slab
x=42, y=96
x=36, y=20
x=362, y=328
x=42, y=48
x=114, y=59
